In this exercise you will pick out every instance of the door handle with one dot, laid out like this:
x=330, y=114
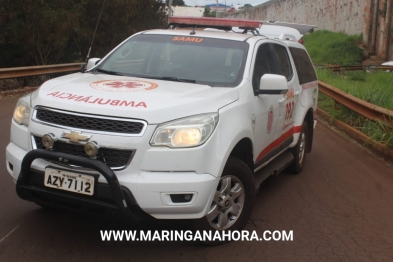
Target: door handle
x=280, y=101
x=297, y=93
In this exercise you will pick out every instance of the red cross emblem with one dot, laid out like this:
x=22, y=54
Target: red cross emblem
x=129, y=84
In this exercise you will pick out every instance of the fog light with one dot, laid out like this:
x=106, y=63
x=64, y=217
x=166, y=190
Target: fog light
x=91, y=149
x=48, y=141
x=181, y=198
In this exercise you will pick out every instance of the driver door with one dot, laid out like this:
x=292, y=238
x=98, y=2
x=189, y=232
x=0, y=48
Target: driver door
x=267, y=120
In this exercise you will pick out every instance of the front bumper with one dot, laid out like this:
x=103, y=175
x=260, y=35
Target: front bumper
x=128, y=194
x=27, y=189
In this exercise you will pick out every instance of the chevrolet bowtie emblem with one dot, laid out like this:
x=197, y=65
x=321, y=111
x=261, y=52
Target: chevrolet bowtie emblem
x=75, y=136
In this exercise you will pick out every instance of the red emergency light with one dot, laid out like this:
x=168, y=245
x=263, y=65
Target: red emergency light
x=213, y=22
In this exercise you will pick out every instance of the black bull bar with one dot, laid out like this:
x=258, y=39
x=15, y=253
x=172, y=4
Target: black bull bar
x=24, y=189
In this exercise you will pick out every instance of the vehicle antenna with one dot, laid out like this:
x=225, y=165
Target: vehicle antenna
x=193, y=31
x=83, y=66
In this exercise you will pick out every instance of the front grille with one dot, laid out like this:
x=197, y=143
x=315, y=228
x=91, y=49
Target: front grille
x=114, y=158
x=88, y=122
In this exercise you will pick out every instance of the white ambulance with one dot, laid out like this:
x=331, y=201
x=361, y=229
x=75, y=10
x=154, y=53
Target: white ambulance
x=173, y=123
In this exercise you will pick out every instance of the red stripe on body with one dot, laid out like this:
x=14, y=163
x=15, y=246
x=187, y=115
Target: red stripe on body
x=280, y=140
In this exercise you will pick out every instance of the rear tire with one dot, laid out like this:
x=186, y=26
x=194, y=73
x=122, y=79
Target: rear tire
x=299, y=151
x=232, y=203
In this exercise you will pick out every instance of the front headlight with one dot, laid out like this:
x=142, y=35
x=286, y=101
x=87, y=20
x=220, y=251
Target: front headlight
x=22, y=113
x=186, y=132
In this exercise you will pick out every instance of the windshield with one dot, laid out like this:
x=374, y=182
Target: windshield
x=214, y=62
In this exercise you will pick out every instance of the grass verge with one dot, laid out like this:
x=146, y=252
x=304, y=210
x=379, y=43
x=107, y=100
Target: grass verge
x=326, y=47
x=375, y=130
x=375, y=88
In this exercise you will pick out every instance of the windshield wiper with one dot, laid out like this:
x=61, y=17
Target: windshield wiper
x=173, y=78
x=108, y=72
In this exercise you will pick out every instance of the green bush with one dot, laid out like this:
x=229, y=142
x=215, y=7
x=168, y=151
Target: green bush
x=326, y=47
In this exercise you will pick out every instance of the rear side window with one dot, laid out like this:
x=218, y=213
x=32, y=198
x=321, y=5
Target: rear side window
x=284, y=66
x=304, y=67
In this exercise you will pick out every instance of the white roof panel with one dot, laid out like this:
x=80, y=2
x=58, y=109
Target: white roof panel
x=219, y=34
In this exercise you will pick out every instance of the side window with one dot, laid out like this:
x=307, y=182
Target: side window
x=304, y=66
x=264, y=64
x=284, y=65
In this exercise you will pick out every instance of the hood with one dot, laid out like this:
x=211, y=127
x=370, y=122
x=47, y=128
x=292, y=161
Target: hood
x=155, y=101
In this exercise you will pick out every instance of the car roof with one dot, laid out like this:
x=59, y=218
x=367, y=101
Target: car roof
x=200, y=33
x=221, y=34
x=232, y=29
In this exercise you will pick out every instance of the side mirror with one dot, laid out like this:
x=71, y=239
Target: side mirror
x=272, y=85
x=92, y=63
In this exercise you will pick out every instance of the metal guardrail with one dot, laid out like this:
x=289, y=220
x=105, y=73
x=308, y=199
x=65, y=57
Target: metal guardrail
x=370, y=111
x=37, y=70
x=342, y=69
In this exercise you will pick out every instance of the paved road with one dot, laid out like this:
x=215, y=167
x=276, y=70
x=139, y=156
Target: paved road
x=340, y=209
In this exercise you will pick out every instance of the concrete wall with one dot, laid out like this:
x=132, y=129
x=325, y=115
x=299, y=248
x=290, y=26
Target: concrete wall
x=337, y=15
x=187, y=11
x=372, y=18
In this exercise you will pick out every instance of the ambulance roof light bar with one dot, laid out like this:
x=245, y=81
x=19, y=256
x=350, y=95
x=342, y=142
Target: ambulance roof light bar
x=217, y=23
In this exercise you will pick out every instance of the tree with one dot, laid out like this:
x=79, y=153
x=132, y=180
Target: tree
x=120, y=19
x=178, y=2
x=247, y=6
x=207, y=11
x=38, y=32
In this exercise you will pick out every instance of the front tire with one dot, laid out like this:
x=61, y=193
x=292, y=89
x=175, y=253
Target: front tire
x=299, y=151
x=233, y=200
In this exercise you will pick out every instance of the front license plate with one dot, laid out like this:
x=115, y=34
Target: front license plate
x=69, y=181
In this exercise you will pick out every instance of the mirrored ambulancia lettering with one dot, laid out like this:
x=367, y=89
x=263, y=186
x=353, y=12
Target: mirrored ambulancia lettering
x=97, y=101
